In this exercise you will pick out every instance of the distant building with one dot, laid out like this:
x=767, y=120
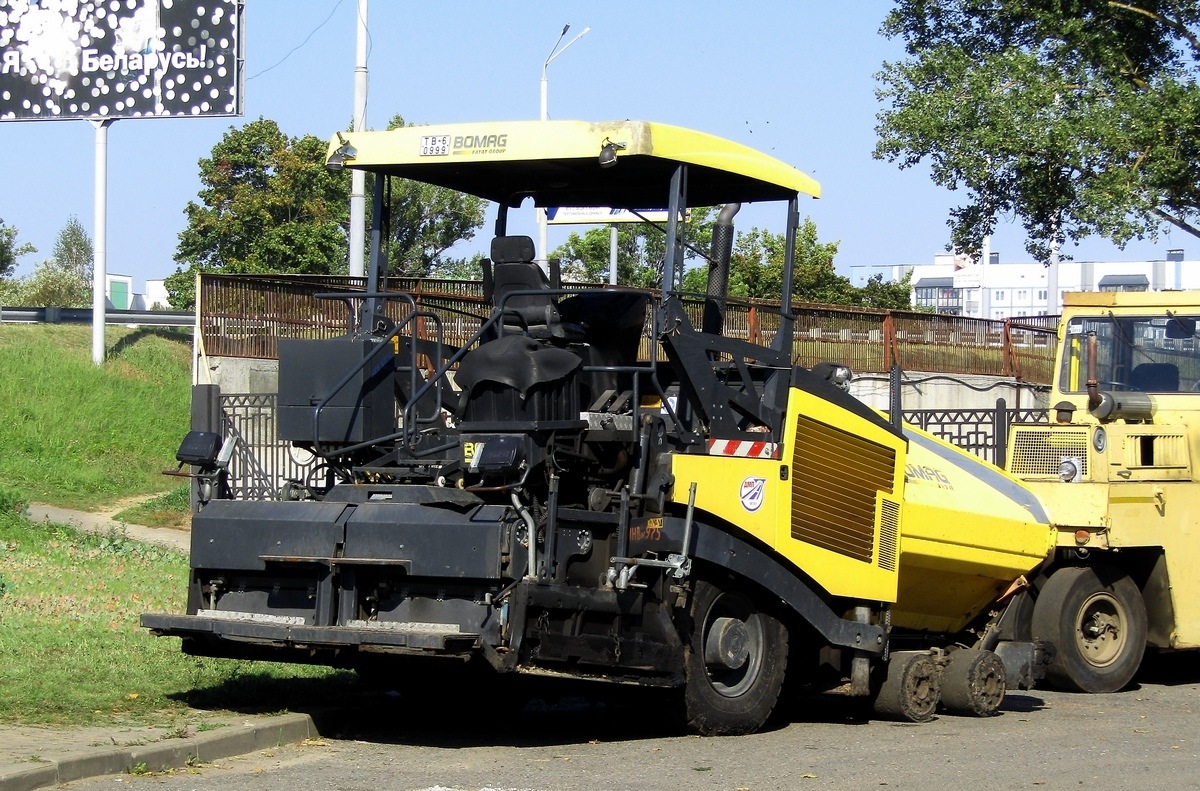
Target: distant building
x=121, y=296
x=955, y=286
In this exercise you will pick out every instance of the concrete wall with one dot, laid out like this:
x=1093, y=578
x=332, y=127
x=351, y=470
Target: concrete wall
x=942, y=391
x=239, y=375
x=949, y=391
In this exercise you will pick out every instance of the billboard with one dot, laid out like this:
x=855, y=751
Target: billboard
x=71, y=59
x=598, y=215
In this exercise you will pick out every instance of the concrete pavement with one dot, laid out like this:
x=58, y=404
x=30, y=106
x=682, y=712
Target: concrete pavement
x=36, y=757
x=102, y=524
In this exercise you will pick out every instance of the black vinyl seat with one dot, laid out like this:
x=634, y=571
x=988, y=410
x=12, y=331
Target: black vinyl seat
x=512, y=268
x=1155, y=378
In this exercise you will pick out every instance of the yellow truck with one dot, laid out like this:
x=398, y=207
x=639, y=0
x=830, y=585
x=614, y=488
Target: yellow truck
x=1116, y=469
x=551, y=499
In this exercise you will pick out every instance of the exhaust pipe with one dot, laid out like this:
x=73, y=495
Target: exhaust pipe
x=718, y=270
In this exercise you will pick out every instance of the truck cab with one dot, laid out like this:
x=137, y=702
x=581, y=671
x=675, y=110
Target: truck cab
x=1116, y=469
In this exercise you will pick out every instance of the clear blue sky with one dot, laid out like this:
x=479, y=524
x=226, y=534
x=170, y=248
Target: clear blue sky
x=791, y=78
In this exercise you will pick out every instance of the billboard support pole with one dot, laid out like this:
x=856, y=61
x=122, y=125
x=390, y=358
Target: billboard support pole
x=100, y=231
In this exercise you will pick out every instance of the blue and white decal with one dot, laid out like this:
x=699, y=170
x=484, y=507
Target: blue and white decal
x=752, y=493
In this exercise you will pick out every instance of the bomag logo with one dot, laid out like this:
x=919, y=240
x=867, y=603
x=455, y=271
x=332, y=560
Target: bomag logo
x=479, y=144
x=933, y=475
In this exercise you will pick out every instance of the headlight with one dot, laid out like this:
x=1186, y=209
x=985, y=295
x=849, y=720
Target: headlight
x=1068, y=470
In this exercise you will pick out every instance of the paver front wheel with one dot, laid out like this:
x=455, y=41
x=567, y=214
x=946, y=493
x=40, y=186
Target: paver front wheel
x=1096, y=620
x=736, y=661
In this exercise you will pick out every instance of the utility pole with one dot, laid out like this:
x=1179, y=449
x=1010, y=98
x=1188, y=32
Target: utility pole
x=358, y=179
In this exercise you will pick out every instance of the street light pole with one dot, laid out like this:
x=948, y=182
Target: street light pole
x=545, y=115
x=358, y=183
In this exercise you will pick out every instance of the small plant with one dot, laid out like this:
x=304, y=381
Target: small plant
x=139, y=769
x=209, y=726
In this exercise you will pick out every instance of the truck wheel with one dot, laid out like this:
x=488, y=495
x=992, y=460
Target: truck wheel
x=912, y=688
x=973, y=683
x=735, y=663
x=1098, y=628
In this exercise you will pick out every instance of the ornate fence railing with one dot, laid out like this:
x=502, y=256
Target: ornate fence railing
x=245, y=315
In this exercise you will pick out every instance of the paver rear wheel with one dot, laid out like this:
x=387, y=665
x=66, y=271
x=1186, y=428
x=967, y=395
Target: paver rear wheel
x=735, y=663
x=973, y=683
x=1096, y=619
x=911, y=689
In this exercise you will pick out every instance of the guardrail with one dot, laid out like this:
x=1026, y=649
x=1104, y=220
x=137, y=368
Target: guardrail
x=149, y=318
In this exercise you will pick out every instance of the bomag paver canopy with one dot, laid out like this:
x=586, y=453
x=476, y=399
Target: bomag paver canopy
x=557, y=163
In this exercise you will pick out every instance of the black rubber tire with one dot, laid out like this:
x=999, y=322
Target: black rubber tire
x=724, y=701
x=973, y=683
x=912, y=688
x=1096, y=619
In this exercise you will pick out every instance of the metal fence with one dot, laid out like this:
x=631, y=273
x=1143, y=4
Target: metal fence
x=261, y=465
x=983, y=432
x=245, y=315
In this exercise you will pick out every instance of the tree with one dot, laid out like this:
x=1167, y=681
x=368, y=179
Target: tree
x=73, y=252
x=426, y=222
x=65, y=279
x=1075, y=118
x=756, y=271
x=267, y=204
x=641, y=251
x=10, y=251
x=756, y=267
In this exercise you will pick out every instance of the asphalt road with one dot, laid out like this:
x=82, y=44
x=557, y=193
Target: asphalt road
x=1145, y=738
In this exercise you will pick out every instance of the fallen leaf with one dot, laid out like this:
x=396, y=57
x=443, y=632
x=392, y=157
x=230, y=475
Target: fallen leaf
x=702, y=768
x=809, y=776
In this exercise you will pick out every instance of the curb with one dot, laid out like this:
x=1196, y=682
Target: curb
x=168, y=754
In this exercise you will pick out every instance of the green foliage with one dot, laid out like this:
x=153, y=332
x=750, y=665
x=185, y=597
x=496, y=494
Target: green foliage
x=10, y=251
x=74, y=653
x=1075, y=118
x=170, y=509
x=426, y=222
x=73, y=251
x=755, y=267
x=64, y=280
x=641, y=250
x=80, y=435
x=267, y=204
x=459, y=268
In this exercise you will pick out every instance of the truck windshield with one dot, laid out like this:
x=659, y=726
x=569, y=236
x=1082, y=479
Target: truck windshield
x=1153, y=354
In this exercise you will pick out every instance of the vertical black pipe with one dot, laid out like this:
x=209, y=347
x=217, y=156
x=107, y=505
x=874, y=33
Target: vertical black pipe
x=894, y=405
x=718, y=270
x=784, y=337
x=377, y=274
x=1001, y=424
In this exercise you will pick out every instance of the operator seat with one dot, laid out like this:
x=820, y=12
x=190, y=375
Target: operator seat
x=513, y=269
x=1155, y=378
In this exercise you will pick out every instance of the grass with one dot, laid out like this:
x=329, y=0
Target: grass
x=72, y=651
x=80, y=435
x=171, y=509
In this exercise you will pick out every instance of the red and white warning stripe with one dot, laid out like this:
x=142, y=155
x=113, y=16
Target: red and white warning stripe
x=742, y=448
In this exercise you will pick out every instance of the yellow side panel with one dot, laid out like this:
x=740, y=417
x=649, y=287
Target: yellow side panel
x=970, y=529
x=836, y=515
x=722, y=483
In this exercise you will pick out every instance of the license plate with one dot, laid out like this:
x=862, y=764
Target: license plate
x=435, y=145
